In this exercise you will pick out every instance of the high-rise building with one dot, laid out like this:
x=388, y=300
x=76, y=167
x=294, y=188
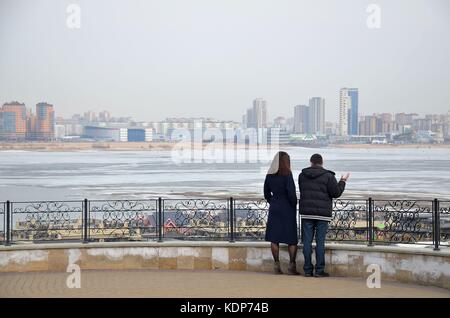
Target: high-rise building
x=403, y=122
x=368, y=126
x=353, y=118
x=19, y=123
x=310, y=119
x=344, y=105
x=385, y=124
x=405, y=119
x=290, y=124
x=331, y=128
x=104, y=116
x=422, y=124
x=348, y=111
x=13, y=121
x=89, y=116
x=45, y=121
x=31, y=125
x=279, y=122
x=257, y=115
x=249, y=117
x=301, y=119
x=316, y=115
x=376, y=124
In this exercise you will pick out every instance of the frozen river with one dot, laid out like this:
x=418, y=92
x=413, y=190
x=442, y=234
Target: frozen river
x=33, y=175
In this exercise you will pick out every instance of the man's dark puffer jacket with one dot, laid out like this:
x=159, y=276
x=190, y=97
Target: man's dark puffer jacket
x=318, y=187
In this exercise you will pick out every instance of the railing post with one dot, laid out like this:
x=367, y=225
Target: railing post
x=8, y=223
x=436, y=225
x=160, y=220
x=85, y=221
x=231, y=219
x=370, y=222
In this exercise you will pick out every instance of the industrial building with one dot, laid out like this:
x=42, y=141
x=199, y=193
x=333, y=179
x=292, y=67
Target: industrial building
x=123, y=134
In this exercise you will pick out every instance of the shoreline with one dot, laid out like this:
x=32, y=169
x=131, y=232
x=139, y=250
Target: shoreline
x=392, y=146
x=150, y=146
x=118, y=146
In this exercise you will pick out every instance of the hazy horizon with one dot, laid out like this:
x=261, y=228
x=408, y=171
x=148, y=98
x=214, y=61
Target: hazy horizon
x=157, y=59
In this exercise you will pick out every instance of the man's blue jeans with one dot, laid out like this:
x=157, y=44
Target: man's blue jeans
x=311, y=227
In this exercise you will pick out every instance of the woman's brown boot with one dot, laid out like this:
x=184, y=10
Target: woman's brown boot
x=277, y=268
x=292, y=270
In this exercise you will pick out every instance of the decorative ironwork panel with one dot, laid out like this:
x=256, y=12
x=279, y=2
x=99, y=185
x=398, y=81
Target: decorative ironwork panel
x=122, y=220
x=46, y=220
x=444, y=210
x=403, y=221
x=394, y=221
x=349, y=221
x=196, y=218
x=251, y=218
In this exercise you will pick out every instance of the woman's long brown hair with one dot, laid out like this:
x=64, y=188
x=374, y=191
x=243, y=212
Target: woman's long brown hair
x=284, y=167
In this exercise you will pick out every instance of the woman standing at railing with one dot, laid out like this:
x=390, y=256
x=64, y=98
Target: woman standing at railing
x=279, y=191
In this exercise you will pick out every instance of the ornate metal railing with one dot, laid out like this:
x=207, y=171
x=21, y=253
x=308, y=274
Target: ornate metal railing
x=444, y=221
x=112, y=220
x=364, y=221
x=196, y=218
x=250, y=217
x=349, y=222
x=46, y=220
x=403, y=221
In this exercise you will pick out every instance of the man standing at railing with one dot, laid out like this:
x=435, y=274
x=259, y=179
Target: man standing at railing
x=318, y=187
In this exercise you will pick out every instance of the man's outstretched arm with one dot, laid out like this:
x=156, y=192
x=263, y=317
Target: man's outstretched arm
x=335, y=189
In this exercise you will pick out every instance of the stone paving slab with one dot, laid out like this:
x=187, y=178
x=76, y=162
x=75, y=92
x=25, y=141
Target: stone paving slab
x=180, y=283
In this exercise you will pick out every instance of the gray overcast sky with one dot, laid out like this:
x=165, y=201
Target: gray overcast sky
x=162, y=58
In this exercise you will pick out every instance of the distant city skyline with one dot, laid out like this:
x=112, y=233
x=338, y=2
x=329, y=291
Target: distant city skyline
x=158, y=59
x=18, y=123
x=259, y=111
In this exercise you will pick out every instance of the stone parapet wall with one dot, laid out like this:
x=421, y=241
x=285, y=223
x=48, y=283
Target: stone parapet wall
x=419, y=265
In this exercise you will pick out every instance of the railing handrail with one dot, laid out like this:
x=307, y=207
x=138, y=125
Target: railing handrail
x=48, y=201
x=116, y=224
x=224, y=198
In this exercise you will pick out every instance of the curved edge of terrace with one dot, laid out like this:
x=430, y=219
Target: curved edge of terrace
x=417, y=265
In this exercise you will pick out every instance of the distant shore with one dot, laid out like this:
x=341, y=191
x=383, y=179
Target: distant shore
x=107, y=146
x=80, y=146
x=375, y=146
x=146, y=146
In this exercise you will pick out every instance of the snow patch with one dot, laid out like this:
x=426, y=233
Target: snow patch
x=22, y=257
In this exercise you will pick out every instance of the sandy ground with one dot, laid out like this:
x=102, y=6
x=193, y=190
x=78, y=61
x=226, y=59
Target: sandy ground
x=160, y=283
x=392, y=146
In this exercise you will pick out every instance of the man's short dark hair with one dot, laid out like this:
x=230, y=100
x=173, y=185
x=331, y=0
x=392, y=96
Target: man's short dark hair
x=316, y=159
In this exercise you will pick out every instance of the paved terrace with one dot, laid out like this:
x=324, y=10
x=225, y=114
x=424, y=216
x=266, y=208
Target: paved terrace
x=216, y=269
x=188, y=283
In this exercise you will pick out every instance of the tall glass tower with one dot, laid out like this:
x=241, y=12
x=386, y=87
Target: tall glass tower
x=348, y=111
x=353, y=111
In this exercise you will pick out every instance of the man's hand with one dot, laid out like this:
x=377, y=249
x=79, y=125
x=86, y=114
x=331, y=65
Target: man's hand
x=345, y=177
